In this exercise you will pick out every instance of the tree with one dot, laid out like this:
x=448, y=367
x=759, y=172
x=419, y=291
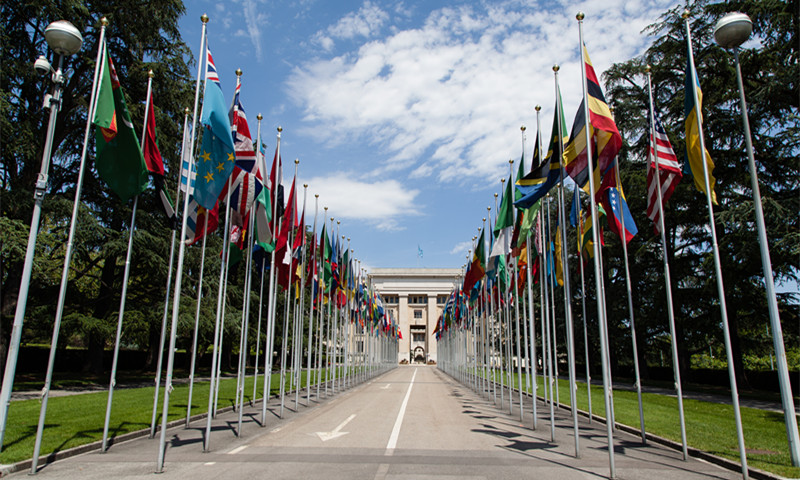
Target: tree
x=769, y=69
x=141, y=36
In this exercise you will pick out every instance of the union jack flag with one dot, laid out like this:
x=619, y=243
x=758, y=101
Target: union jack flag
x=211, y=70
x=242, y=140
x=669, y=171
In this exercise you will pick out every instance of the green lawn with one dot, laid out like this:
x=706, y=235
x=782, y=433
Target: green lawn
x=78, y=419
x=709, y=426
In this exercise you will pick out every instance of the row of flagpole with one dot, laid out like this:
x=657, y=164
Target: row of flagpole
x=470, y=336
x=354, y=351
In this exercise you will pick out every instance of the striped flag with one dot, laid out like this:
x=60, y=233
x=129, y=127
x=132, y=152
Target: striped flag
x=669, y=171
x=244, y=189
x=196, y=221
x=242, y=140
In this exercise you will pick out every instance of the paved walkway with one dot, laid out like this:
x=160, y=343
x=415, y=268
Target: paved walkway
x=411, y=422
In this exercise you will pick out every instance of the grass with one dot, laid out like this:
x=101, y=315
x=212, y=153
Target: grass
x=710, y=427
x=78, y=419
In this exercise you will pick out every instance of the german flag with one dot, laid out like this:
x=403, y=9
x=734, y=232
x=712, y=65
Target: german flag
x=606, y=140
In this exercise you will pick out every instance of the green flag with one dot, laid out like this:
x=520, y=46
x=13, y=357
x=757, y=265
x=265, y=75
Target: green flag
x=119, y=158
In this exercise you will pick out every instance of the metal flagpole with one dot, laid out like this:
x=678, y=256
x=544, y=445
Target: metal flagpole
x=601, y=318
x=41, y=184
x=567, y=289
x=245, y=325
x=196, y=321
x=287, y=300
x=551, y=318
x=585, y=326
x=242, y=342
x=261, y=271
x=179, y=273
x=717, y=266
x=547, y=339
x=321, y=303
x=515, y=262
x=532, y=324
x=168, y=287
x=222, y=299
x=667, y=278
x=125, y=276
x=272, y=293
x=299, y=340
x=311, y=312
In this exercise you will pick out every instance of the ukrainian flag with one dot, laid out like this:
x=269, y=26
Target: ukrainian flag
x=694, y=154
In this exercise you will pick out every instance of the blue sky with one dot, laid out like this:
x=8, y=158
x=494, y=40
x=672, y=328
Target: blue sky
x=404, y=114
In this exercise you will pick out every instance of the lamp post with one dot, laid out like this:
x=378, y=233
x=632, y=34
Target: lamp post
x=64, y=40
x=731, y=31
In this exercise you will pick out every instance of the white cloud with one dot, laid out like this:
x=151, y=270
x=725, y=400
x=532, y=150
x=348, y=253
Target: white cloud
x=366, y=22
x=446, y=99
x=380, y=203
x=461, y=248
x=255, y=22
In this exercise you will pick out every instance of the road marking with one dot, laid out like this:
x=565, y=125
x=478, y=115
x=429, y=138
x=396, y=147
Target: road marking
x=336, y=432
x=209, y=463
x=275, y=430
x=397, y=423
x=237, y=450
x=386, y=386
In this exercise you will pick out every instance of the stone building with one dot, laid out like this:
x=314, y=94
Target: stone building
x=415, y=297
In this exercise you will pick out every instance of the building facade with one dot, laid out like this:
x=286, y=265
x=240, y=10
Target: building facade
x=415, y=297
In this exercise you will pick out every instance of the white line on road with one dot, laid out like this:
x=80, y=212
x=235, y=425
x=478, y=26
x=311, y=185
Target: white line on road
x=208, y=464
x=237, y=450
x=397, y=423
x=386, y=386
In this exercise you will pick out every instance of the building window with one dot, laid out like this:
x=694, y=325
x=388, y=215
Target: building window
x=417, y=313
x=418, y=337
x=417, y=299
x=441, y=299
x=390, y=299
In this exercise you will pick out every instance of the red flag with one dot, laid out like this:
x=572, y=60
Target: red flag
x=152, y=156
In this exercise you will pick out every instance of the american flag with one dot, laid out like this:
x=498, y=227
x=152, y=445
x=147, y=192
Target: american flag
x=669, y=171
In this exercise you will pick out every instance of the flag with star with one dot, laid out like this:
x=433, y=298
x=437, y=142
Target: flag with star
x=217, y=158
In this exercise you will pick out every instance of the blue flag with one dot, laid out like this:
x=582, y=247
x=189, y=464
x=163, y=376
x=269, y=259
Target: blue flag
x=217, y=159
x=616, y=208
x=575, y=212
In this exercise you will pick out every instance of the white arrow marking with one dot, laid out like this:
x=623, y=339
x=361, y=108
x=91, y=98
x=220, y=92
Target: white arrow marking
x=336, y=432
x=386, y=386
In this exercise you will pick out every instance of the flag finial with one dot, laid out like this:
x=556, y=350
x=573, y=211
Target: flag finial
x=296, y=161
x=495, y=196
x=556, y=68
x=522, y=128
x=150, y=74
x=204, y=18
x=580, y=16
x=537, y=107
x=316, y=195
x=104, y=21
x=186, y=110
x=326, y=209
x=685, y=13
x=280, y=129
x=238, y=72
x=511, y=160
x=484, y=218
x=259, y=117
x=305, y=185
x=647, y=69
x=488, y=209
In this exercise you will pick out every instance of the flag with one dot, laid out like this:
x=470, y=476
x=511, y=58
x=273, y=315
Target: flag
x=244, y=188
x=558, y=256
x=606, y=140
x=477, y=268
x=196, y=221
x=119, y=158
x=155, y=163
x=614, y=202
x=504, y=225
x=264, y=221
x=669, y=171
x=541, y=179
x=694, y=164
x=575, y=211
x=186, y=161
x=242, y=140
x=275, y=183
x=217, y=158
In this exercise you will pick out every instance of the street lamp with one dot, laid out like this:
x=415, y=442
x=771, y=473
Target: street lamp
x=731, y=31
x=64, y=40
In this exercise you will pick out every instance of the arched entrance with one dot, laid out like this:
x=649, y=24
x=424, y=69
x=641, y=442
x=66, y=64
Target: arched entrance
x=418, y=355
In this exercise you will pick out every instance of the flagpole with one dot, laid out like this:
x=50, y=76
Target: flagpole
x=167, y=288
x=287, y=302
x=276, y=225
x=320, y=303
x=567, y=288
x=261, y=283
x=717, y=266
x=585, y=319
x=196, y=320
x=299, y=341
x=531, y=322
x=667, y=278
x=245, y=326
x=601, y=317
x=179, y=273
x=547, y=359
x=311, y=305
x=551, y=318
x=239, y=378
x=19, y=315
x=125, y=276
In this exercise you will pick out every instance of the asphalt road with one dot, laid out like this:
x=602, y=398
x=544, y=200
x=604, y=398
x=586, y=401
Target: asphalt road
x=412, y=422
